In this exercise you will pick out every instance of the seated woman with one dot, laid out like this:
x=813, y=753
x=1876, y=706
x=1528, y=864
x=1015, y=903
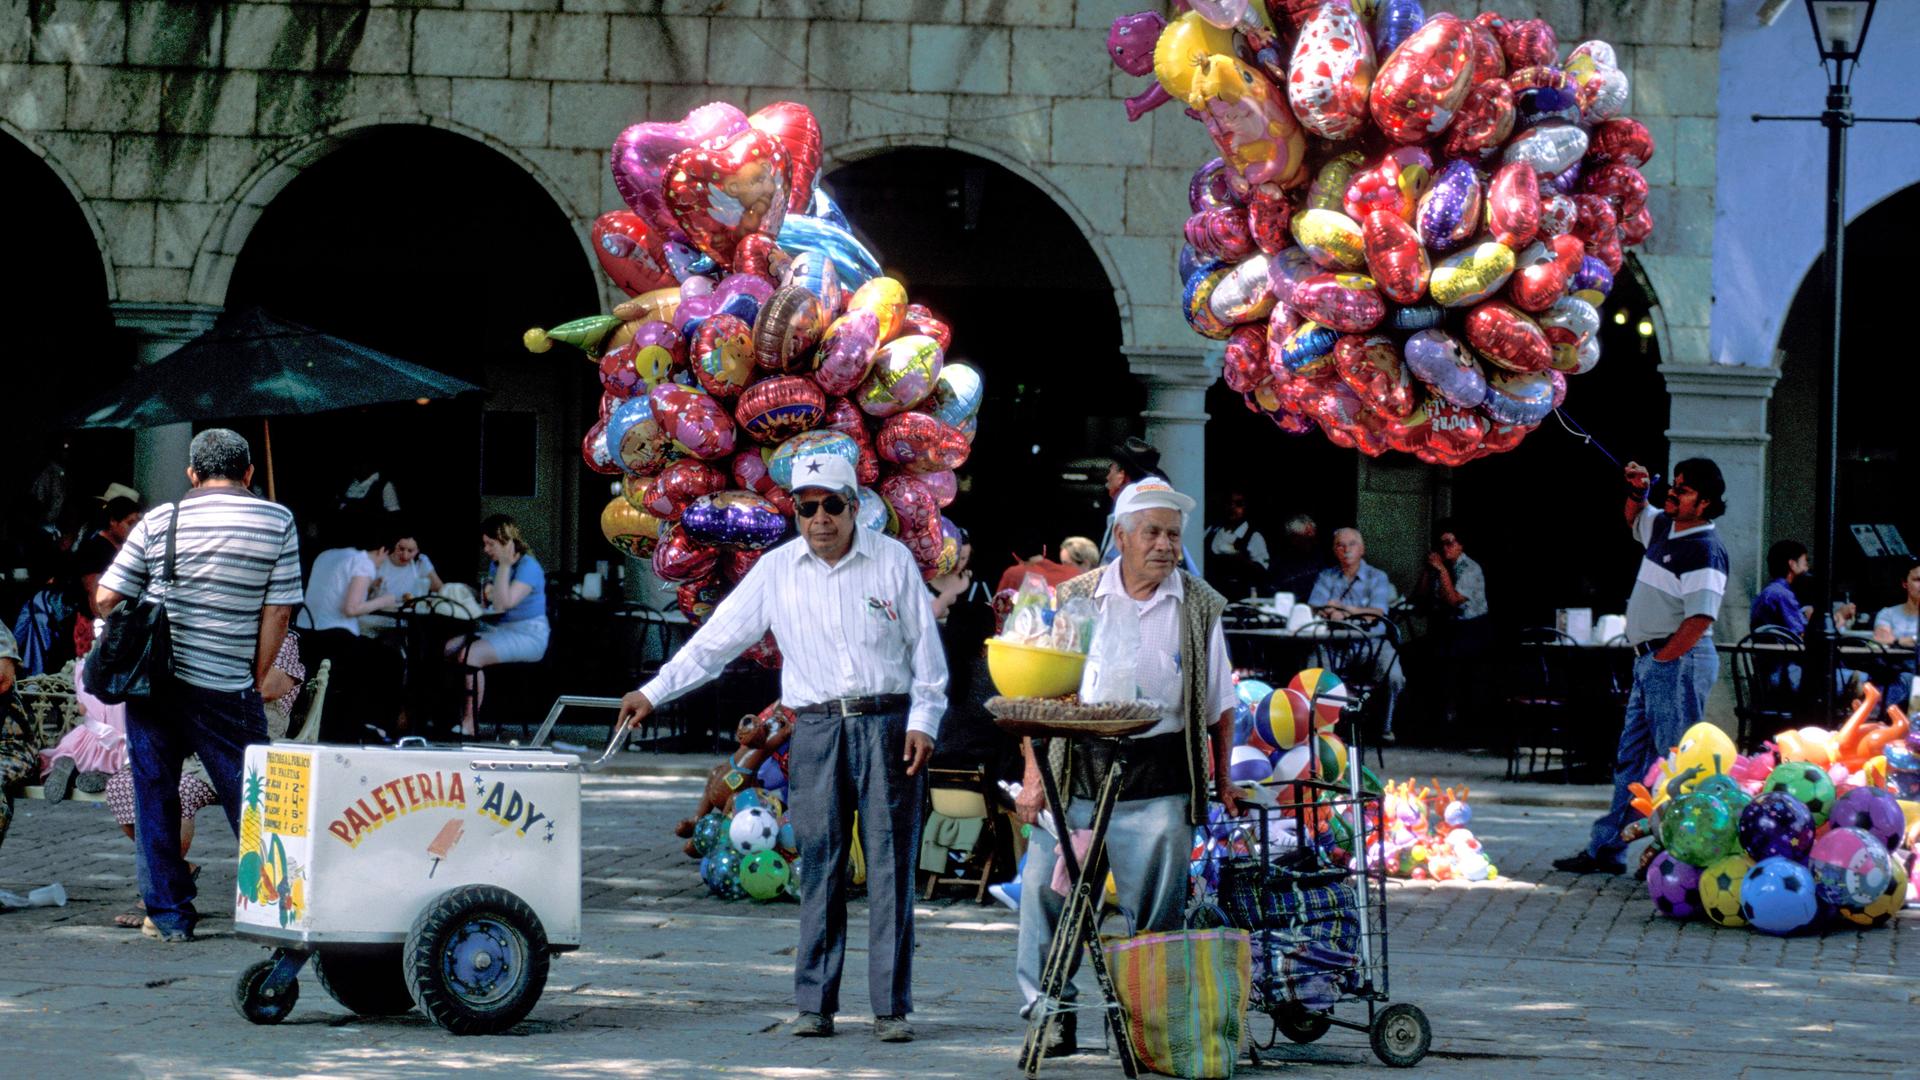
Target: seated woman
x=406, y=574
x=1898, y=627
x=367, y=675
x=515, y=589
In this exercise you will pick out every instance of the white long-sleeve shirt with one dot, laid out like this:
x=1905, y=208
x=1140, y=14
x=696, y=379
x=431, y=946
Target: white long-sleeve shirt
x=860, y=627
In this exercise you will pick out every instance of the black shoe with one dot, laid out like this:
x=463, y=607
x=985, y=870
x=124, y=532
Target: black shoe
x=1062, y=1039
x=892, y=1029
x=811, y=1026
x=1387, y=739
x=1585, y=863
x=59, y=779
x=93, y=782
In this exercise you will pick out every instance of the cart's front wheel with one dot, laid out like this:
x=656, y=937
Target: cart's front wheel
x=250, y=996
x=1401, y=1035
x=365, y=982
x=1301, y=1025
x=476, y=960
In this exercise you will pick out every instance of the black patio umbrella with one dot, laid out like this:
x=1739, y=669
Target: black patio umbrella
x=253, y=364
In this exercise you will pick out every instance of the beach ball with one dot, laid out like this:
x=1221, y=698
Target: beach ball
x=753, y=829
x=1250, y=691
x=1720, y=889
x=710, y=832
x=1251, y=765
x=1292, y=765
x=1776, y=823
x=1325, y=691
x=1698, y=829
x=1778, y=897
x=764, y=874
x=1873, y=809
x=1808, y=783
x=1881, y=908
x=1850, y=868
x=1332, y=754
x=1281, y=721
x=1674, y=887
x=1242, y=724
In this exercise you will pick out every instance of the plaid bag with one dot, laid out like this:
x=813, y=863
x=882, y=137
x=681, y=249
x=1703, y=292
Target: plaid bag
x=1311, y=954
x=1185, y=993
x=1251, y=892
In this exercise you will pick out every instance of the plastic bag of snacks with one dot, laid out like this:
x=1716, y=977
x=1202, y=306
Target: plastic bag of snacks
x=1031, y=620
x=1073, y=625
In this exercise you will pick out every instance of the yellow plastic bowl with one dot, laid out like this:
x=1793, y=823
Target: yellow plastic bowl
x=1032, y=671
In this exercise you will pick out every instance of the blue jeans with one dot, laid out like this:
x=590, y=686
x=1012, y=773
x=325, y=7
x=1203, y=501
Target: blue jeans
x=1666, y=700
x=218, y=725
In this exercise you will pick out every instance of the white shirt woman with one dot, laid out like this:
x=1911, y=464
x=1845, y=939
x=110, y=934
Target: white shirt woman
x=339, y=589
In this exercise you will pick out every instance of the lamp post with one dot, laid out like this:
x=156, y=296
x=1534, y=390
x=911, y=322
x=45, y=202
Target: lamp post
x=1839, y=32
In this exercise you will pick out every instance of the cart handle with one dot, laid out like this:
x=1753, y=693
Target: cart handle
x=560, y=705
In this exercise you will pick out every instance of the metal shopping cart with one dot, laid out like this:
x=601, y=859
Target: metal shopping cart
x=441, y=877
x=1317, y=915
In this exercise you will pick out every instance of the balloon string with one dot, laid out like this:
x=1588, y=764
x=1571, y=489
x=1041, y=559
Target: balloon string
x=1574, y=429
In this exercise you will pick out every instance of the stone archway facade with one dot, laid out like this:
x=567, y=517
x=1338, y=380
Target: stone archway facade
x=175, y=123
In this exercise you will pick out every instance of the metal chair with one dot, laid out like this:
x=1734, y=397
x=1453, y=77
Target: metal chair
x=1540, y=704
x=1348, y=650
x=1768, y=694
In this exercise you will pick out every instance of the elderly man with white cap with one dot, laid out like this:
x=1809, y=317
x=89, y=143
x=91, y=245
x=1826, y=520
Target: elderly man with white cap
x=864, y=673
x=1182, y=664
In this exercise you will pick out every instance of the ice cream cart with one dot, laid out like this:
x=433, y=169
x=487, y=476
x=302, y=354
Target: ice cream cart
x=437, y=877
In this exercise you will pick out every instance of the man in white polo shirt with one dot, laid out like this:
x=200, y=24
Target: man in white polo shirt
x=1170, y=767
x=864, y=673
x=236, y=583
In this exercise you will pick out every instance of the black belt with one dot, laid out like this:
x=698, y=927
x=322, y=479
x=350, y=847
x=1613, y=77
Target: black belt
x=855, y=706
x=1646, y=648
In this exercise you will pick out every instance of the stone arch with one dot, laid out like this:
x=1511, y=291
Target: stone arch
x=857, y=149
x=1810, y=275
x=1643, y=276
x=240, y=209
x=80, y=202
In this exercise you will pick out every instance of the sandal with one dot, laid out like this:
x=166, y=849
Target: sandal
x=130, y=920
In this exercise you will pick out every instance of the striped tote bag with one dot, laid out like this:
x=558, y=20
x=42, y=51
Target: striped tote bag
x=1185, y=993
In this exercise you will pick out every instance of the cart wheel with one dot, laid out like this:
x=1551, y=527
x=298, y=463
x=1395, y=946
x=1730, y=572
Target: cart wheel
x=476, y=960
x=1301, y=1025
x=1401, y=1035
x=249, y=1000
x=365, y=983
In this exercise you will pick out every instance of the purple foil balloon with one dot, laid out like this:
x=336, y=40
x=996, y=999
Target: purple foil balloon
x=1394, y=22
x=1592, y=277
x=738, y=520
x=1450, y=210
x=1210, y=187
x=741, y=295
x=1538, y=104
x=1440, y=360
x=1521, y=400
x=691, y=313
x=640, y=155
x=685, y=261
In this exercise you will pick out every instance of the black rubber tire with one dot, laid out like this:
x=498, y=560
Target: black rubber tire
x=257, y=1010
x=505, y=952
x=1401, y=1035
x=1301, y=1025
x=365, y=982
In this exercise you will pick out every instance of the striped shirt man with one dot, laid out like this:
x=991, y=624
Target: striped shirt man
x=236, y=553
x=859, y=627
x=1684, y=574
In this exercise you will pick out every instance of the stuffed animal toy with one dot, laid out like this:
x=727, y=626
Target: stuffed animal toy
x=760, y=737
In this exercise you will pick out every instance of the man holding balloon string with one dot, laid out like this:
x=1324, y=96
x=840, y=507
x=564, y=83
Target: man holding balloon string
x=866, y=678
x=1670, y=616
x=1181, y=662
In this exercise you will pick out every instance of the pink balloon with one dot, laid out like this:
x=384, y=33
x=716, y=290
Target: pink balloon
x=642, y=152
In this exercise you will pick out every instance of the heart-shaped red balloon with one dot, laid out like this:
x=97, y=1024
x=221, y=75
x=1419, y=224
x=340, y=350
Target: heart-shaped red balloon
x=679, y=484
x=1508, y=338
x=680, y=559
x=643, y=152
x=1244, y=364
x=629, y=251
x=1370, y=365
x=798, y=133
x=728, y=188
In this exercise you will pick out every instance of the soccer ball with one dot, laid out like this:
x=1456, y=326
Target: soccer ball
x=1883, y=906
x=1778, y=896
x=1674, y=887
x=753, y=830
x=1808, y=783
x=1873, y=809
x=1720, y=889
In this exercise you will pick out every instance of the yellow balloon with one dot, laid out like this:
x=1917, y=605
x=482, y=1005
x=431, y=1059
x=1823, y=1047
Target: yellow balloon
x=1470, y=275
x=1329, y=188
x=887, y=299
x=1330, y=238
x=1182, y=48
x=627, y=527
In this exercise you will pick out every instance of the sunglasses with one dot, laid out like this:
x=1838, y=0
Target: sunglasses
x=834, y=505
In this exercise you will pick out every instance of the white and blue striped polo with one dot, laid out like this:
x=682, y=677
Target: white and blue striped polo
x=237, y=552
x=1684, y=574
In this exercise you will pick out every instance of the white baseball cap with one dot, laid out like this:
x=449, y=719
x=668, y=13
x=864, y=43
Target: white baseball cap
x=1151, y=493
x=828, y=472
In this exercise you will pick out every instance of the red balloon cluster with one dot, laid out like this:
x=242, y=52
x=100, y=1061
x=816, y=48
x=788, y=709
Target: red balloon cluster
x=759, y=329
x=1433, y=271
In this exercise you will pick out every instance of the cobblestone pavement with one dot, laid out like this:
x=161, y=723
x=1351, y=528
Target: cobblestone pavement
x=1537, y=973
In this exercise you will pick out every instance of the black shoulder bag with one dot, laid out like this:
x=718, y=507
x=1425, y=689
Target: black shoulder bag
x=133, y=655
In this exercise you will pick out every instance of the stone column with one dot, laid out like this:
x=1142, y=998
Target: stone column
x=1176, y=421
x=1720, y=411
x=160, y=453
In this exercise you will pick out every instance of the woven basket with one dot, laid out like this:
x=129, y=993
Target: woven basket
x=1047, y=717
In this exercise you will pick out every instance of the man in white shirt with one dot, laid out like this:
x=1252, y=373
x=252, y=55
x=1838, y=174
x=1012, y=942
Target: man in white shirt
x=866, y=677
x=1182, y=664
